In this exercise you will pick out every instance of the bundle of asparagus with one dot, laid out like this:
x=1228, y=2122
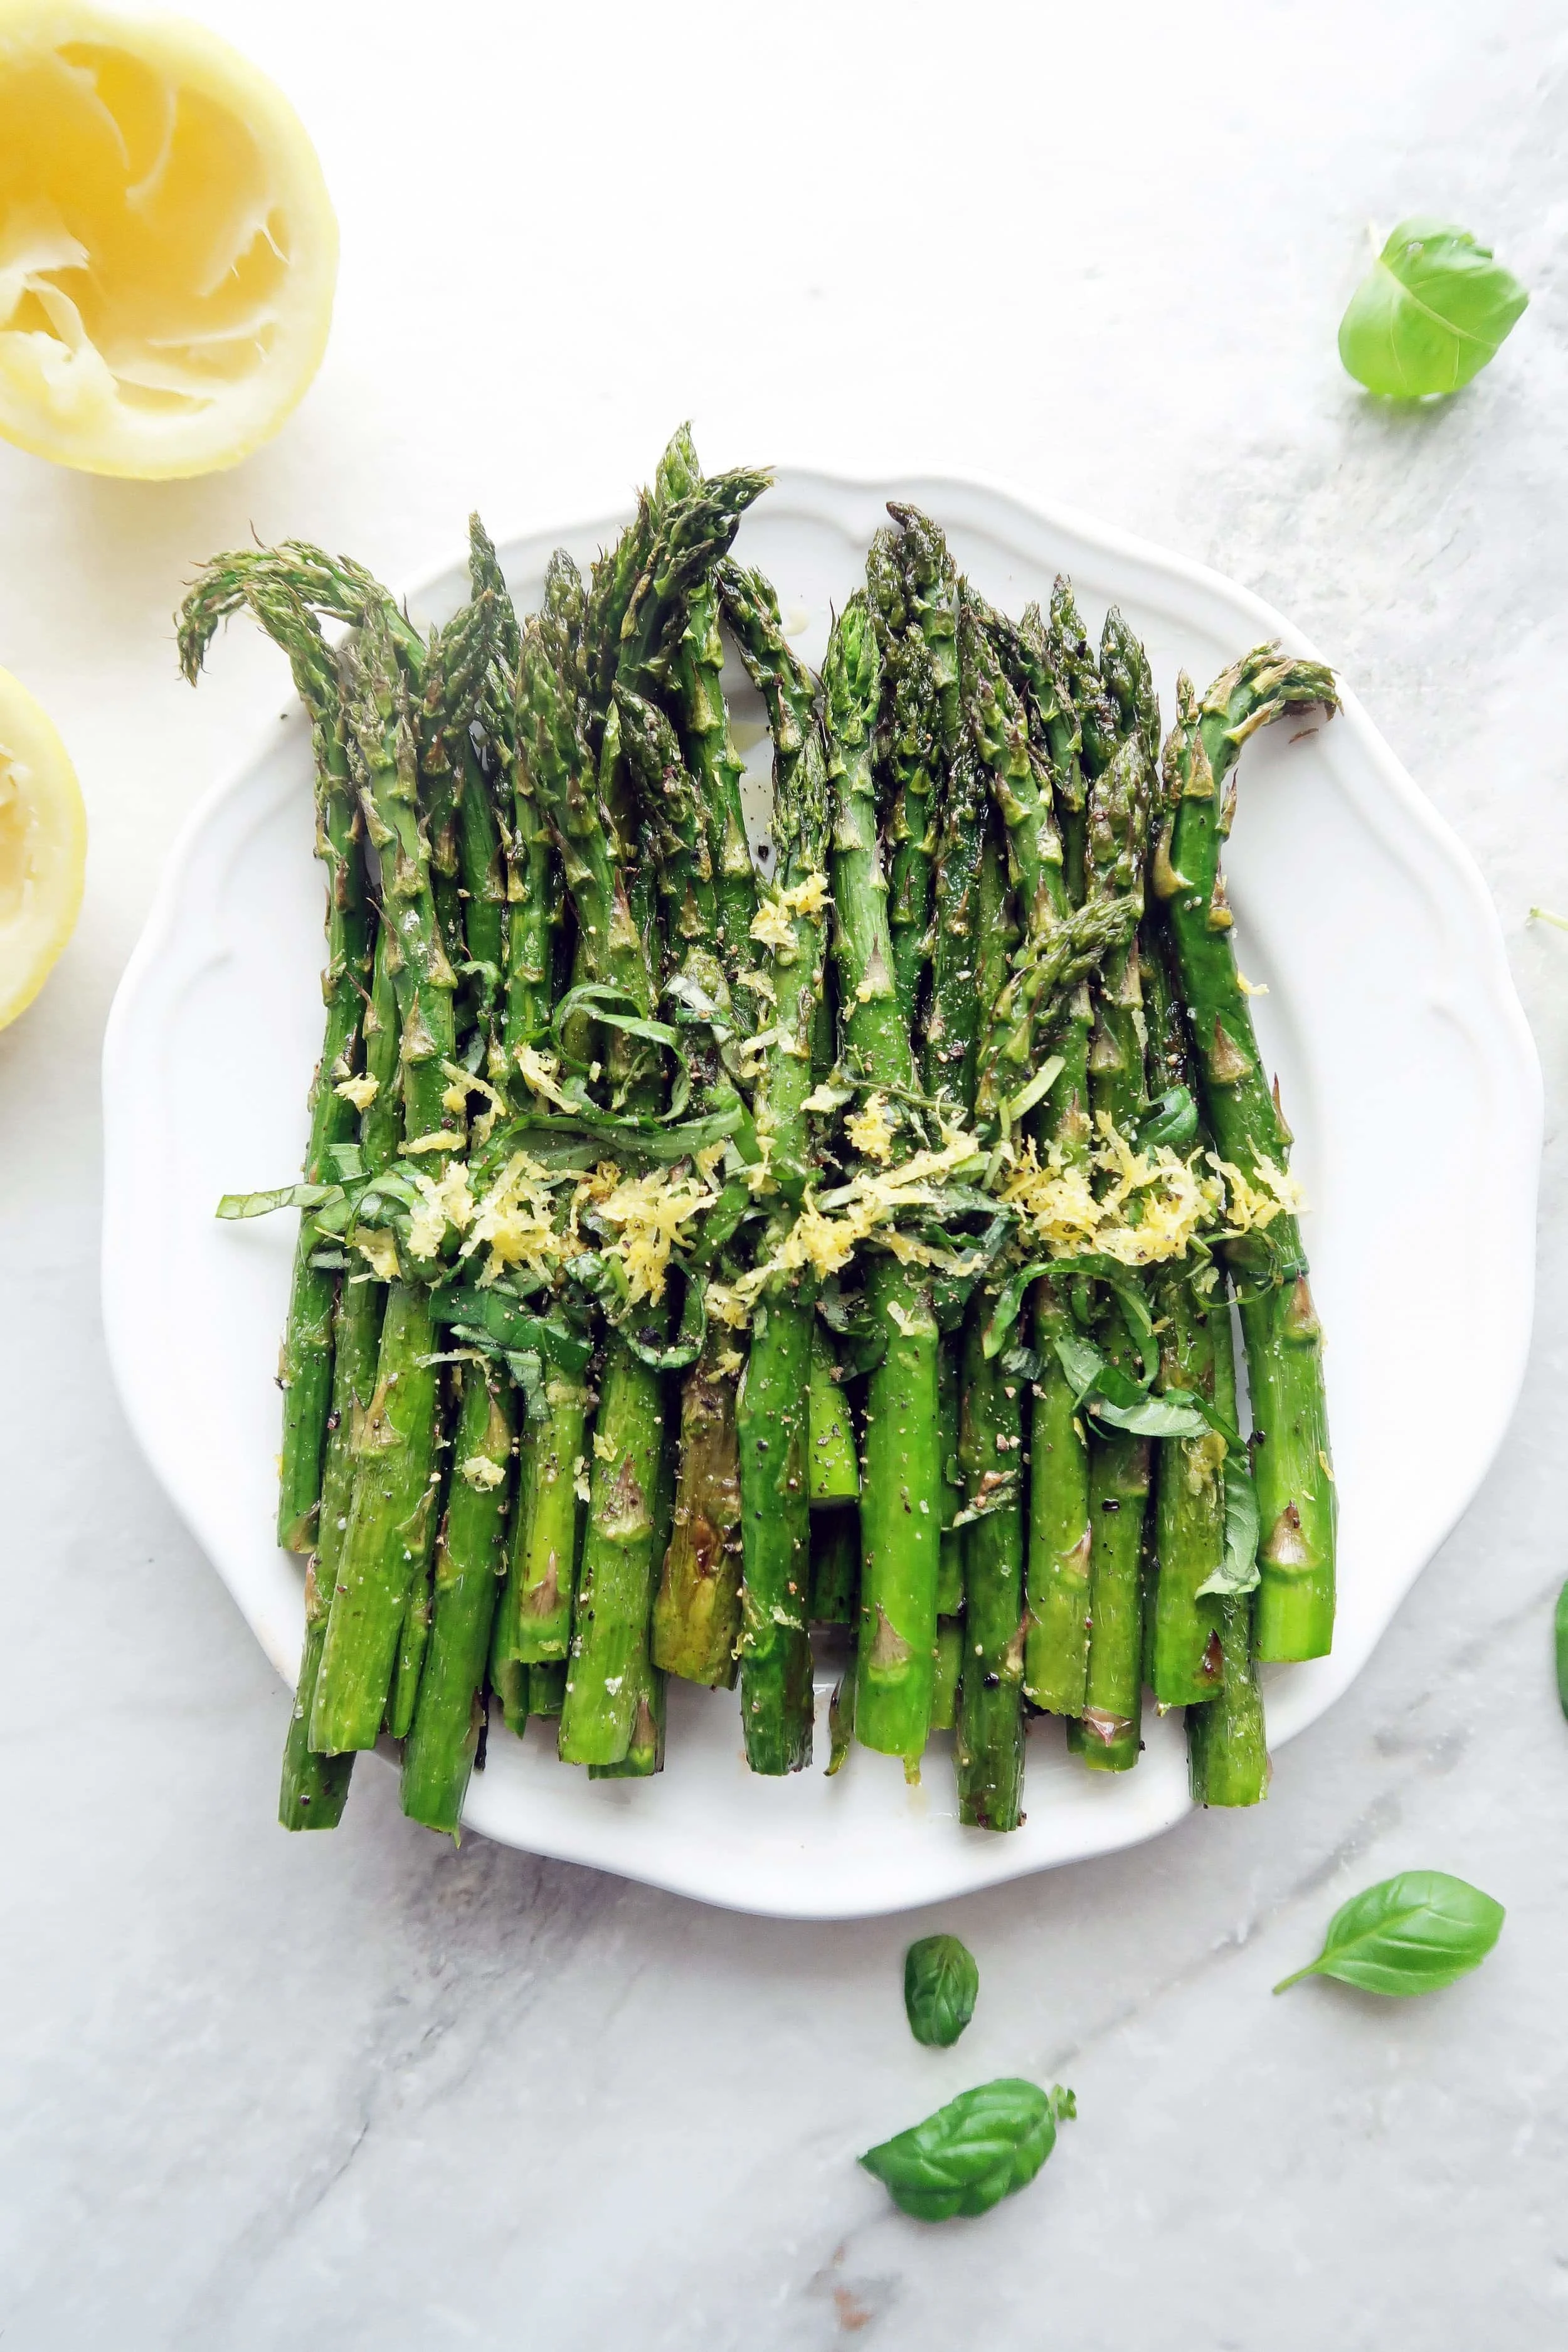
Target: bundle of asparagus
x=910, y=1187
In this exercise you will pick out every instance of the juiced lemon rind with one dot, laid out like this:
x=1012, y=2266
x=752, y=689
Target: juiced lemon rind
x=43, y=847
x=63, y=402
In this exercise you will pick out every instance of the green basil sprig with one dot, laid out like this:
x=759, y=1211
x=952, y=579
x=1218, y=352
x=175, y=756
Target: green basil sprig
x=1430, y=312
x=940, y=1981
x=980, y=2148
x=1408, y=1935
x=1239, y=1571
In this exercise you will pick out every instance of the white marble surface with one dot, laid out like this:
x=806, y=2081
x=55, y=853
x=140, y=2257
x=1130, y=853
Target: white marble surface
x=366, y=2087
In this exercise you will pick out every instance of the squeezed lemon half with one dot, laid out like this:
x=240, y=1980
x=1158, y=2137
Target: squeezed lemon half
x=43, y=847
x=168, y=250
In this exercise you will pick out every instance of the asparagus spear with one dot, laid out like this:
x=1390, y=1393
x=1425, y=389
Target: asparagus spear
x=1118, y=1462
x=1227, y=1748
x=607, y=1683
x=909, y=755
x=834, y=1472
x=320, y=1379
x=697, y=1608
x=950, y=1563
x=776, y=1700
x=332, y=585
x=1186, y=1656
x=445, y=1718
x=696, y=682
x=1297, y=1504
x=470, y=1557
x=305, y=1370
x=990, y=1717
x=901, y=1509
x=1055, y=1658
x=390, y=1517
x=835, y=1566
x=534, y=1616
x=645, y=1748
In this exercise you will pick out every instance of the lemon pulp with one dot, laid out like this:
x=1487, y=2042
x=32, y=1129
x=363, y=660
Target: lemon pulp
x=43, y=847
x=168, y=251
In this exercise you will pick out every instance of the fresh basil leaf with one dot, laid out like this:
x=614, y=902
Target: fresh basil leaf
x=1173, y=1121
x=1562, y=1635
x=1408, y=1935
x=1009, y=1300
x=1430, y=312
x=979, y=2149
x=1118, y=1388
x=1082, y=1362
x=488, y=1318
x=1151, y=1416
x=235, y=1205
x=1239, y=1571
x=1039, y=1086
x=348, y=1159
x=940, y=1981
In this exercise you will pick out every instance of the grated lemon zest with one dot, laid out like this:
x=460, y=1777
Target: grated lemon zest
x=360, y=1092
x=1150, y=1207
x=455, y=1098
x=515, y=1222
x=442, y=1203
x=651, y=1214
x=483, y=1473
x=809, y=898
x=539, y=1073
x=772, y=927
x=379, y=1251
x=871, y=1132
x=1252, y=1205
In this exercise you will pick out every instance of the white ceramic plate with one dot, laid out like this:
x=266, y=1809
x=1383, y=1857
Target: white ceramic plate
x=1408, y=1071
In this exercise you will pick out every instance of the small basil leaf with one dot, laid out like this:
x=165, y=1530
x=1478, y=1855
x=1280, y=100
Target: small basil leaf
x=1561, y=1636
x=940, y=1981
x=1239, y=1571
x=235, y=1205
x=1118, y=1388
x=1408, y=1935
x=1151, y=1416
x=1173, y=1121
x=979, y=2149
x=1009, y=1300
x=1428, y=315
x=1082, y=1362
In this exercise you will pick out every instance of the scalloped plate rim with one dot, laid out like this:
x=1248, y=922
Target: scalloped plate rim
x=987, y=1860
